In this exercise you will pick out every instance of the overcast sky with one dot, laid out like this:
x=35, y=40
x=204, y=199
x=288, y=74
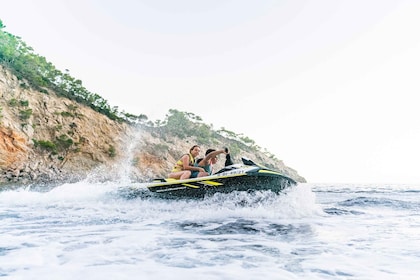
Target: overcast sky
x=330, y=87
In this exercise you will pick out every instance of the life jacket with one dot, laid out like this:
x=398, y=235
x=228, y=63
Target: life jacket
x=179, y=165
x=208, y=168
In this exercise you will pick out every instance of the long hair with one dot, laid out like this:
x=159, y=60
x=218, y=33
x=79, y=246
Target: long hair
x=193, y=147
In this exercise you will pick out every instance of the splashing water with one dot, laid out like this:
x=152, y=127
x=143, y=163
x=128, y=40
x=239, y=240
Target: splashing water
x=126, y=164
x=123, y=172
x=95, y=231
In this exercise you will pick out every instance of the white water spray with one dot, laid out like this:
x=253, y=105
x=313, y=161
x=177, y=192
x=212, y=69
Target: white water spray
x=125, y=171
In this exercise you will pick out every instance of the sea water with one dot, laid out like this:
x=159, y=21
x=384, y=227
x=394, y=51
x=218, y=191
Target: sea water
x=102, y=231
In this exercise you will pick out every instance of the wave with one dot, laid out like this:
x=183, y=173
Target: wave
x=365, y=188
x=380, y=202
x=245, y=226
x=340, y=211
x=297, y=202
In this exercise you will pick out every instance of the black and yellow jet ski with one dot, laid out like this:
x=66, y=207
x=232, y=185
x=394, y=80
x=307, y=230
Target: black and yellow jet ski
x=246, y=176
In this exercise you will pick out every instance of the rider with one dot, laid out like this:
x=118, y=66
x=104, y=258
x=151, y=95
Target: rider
x=184, y=167
x=208, y=161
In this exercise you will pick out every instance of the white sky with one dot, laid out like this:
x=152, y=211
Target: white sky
x=328, y=86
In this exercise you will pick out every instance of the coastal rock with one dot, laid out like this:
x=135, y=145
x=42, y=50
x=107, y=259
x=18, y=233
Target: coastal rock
x=48, y=138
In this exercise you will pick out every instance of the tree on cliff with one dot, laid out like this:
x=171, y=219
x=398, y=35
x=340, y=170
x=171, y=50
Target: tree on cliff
x=42, y=75
x=25, y=64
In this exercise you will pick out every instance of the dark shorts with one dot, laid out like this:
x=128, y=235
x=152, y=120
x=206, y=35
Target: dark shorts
x=194, y=174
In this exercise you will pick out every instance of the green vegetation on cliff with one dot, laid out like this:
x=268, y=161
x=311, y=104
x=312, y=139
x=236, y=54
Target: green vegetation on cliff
x=41, y=75
x=36, y=72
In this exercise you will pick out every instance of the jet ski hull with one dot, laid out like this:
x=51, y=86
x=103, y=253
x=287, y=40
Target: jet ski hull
x=246, y=178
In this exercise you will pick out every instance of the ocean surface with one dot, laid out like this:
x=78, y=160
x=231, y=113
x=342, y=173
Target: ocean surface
x=90, y=230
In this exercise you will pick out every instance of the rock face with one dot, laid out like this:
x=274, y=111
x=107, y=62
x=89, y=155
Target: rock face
x=47, y=138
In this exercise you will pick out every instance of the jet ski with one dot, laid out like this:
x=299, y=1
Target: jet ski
x=246, y=176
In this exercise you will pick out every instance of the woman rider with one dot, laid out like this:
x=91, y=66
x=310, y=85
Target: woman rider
x=184, y=167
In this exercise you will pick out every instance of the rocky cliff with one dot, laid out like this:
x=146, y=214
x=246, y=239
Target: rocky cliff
x=47, y=138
